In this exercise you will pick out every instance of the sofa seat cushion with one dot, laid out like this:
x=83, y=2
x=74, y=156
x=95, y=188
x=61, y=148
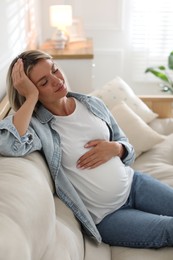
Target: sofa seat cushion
x=125, y=253
x=158, y=161
x=94, y=251
x=67, y=243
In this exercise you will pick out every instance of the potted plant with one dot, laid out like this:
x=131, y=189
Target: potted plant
x=162, y=73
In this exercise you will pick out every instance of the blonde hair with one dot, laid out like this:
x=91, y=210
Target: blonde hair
x=30, y=59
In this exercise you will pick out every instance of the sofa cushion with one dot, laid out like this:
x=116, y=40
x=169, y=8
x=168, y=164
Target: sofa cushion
x=27, y=209
x=69, y=235
x=140, y=135
x=94, y=252
x=158, y=161
x=125, y=253
x=67, y=244
x=35, y=224
x=118, y=90
x=162, y=125
x=37, y=159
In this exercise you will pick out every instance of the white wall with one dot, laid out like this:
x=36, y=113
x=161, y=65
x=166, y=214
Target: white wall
x=18, y=32
x=105, y=21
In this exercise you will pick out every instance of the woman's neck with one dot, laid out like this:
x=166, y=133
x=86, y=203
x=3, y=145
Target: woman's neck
x=63, y=107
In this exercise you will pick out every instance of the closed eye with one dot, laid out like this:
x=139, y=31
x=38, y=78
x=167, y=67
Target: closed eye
x=54, y=69
x=44, y=83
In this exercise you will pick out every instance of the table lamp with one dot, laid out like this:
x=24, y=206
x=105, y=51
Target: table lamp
x=60, y=17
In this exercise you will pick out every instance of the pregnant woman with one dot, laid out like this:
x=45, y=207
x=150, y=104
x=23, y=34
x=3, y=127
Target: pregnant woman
x=88, y=155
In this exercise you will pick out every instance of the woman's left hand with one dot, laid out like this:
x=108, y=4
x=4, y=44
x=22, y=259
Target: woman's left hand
x=100, y=152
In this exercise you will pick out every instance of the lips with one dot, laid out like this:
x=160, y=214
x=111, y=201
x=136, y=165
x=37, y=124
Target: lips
x=60, y=86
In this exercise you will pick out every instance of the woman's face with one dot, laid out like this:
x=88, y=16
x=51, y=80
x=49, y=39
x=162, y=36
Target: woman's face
x=49, y=81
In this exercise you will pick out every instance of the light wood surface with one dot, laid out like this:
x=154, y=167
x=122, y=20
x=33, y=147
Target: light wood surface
x=74, y=50
x=162, y=105
x=4, y=107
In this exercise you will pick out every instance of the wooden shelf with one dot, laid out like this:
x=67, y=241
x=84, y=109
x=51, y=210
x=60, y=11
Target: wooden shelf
x=162, y=105
x=74, y=50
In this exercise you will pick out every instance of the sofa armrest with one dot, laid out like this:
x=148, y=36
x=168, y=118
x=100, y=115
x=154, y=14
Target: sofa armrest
x=4, y=107
x=162, y=105
x=27, y=211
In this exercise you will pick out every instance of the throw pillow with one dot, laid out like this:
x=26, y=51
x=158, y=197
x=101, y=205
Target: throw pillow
x=140, y=135
x=158, y=161
x=117, y=90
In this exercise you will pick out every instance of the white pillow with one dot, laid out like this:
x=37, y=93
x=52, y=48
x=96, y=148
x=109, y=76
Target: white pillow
x=140, y=135
x=158, y=161
x=117, y=90
x=163, y=126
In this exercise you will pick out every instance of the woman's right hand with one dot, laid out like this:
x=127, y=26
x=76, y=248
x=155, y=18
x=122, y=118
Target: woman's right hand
x=27, y=89
x=22, y=83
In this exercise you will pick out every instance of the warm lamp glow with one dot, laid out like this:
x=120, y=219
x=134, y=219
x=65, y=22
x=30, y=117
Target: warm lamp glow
x=60, y=15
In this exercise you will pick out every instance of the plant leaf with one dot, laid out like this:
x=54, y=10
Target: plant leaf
x=161, y=67
x=170, y=61
x=158, y=74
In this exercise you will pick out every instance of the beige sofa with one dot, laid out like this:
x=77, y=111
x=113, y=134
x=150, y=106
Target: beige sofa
x=36, y=225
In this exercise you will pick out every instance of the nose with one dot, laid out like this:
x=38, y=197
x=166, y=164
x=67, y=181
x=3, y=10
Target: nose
x=55, y=80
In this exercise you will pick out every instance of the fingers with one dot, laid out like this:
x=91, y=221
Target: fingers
x=88, y=156
x=17, y=72
x=92, y=159
x=86, y=160
x=21, y=81
x=100, y=152
x=91, y=164
x=93, y=143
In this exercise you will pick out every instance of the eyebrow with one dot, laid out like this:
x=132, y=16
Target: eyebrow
x=44, y=77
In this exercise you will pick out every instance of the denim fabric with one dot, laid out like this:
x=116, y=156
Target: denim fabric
x=146, y=220
x=41, y=136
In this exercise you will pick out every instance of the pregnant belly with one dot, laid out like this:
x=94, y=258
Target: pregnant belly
x=103, y=184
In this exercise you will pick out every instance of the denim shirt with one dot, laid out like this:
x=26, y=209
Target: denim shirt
x=42, y=137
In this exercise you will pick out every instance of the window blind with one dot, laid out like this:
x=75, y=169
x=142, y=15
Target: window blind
x=150, y=35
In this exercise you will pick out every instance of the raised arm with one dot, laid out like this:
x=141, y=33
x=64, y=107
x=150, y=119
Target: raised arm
x=25, y=88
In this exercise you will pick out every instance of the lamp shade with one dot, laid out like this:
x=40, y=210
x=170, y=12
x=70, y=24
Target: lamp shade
x=60, y=15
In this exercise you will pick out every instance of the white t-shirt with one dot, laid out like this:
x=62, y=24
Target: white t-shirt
x=105, y=188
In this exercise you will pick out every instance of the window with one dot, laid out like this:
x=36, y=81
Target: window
x=150, y=36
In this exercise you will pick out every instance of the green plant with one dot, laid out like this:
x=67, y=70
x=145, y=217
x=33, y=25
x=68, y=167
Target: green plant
x=162, y=73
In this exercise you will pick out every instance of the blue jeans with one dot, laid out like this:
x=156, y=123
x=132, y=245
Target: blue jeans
x=146, y=219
